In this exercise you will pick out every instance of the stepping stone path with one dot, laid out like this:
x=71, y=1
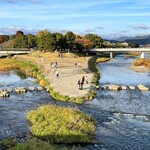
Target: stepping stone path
x=112, y=87
x=6, y=93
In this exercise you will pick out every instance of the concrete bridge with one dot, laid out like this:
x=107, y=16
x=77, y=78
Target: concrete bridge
x=120, y=50
x=7, y=51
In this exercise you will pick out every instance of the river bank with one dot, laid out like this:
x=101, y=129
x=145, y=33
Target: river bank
x=38, y=65
x=70, y=67
x=141, y=65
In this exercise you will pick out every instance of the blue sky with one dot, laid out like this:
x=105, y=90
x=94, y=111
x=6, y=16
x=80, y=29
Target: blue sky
x=107, y=18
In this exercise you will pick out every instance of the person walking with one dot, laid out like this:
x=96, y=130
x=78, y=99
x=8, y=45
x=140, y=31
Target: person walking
x=57, y=73
x=79, y=64
x=86, y=79
x=75, y=64
x=83, y=79
x=79, y=84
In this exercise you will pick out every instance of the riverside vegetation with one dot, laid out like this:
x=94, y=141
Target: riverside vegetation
x=141, y=65
x=61, y=125
x=34, y=70
x=51, y=123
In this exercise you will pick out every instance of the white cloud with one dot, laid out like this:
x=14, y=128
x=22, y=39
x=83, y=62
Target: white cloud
x=140, y=26
x=12, y=30
x=16, y=1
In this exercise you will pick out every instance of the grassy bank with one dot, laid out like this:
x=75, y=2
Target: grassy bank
x=34, y=144
x=61, y=125
x=53, y=124
x=13, y=64
x=36, y=71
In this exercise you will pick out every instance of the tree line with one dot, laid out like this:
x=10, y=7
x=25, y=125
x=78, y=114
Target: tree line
x=44, y=40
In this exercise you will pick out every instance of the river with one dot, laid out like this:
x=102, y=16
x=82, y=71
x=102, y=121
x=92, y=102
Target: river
x=122, y=116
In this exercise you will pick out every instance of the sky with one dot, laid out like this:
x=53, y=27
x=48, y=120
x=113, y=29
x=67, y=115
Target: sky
x=109, y=19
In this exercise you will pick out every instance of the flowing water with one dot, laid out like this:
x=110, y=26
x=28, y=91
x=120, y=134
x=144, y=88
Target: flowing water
x=123, y=117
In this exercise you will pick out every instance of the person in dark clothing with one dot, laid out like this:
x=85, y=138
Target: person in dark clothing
x=75, y=64
x=79, y=83
x=83, y=78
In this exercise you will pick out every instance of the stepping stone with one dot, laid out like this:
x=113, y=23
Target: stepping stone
x=20, y=89
x=4, y=94
x=142, y=87
x=131, y=87
x=10, y=90
x=103, y=87
x=40, y=88
x=31, y=88
x=123, y=87
x=113, y=87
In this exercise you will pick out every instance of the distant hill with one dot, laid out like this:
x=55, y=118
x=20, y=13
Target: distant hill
x=143, y=40
x=140, y=40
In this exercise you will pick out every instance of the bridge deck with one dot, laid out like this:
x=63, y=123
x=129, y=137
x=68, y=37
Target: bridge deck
x=120, y=50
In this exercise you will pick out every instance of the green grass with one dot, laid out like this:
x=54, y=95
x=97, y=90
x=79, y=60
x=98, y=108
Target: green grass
x=92, y=66
x=32, y=70
x=27, y=67
x=61, y=125
x=8, y=143
x=35, y=144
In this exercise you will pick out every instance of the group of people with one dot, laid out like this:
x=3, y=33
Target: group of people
x=77, y=64
x=53, y=64
x=82, y=81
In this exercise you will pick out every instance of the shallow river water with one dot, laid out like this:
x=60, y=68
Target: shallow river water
x=123, y=117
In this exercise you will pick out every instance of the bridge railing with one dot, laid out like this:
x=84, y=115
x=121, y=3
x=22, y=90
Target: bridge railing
x=120, y=50
x=14, y=49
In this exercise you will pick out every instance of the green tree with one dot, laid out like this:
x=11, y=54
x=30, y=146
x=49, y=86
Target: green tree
x=70, y=39
x=119, y=45
x=97, y=42
x=20, y=41
x=106, y=44
x=41, y=39
x=60, y=41
x=31, y=41
x=46, y=41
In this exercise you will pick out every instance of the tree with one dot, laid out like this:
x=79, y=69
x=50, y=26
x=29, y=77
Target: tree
x=1, y=38
x=31, y=41
x=118, y=45
x=106, y=44
x=60, y=41
x=97, y=42
x=41, y=39
x=70, y=39
x=20, y=41
x=6, y=38
x=46, y=41
x=19, y=33
x=86, y=44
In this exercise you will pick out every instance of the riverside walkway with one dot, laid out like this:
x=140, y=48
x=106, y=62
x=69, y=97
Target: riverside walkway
x=120, y=50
